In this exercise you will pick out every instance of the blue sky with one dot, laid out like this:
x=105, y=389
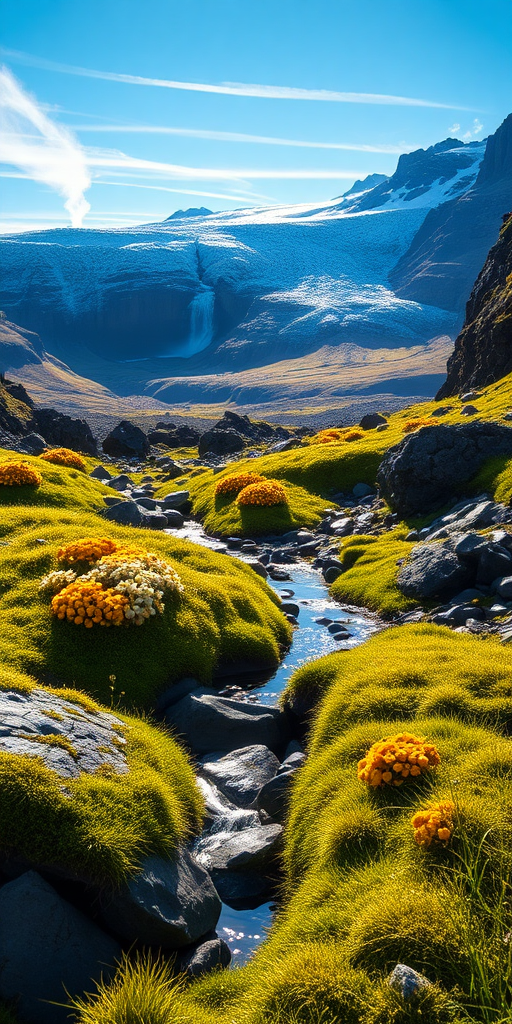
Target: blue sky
x=158, y=128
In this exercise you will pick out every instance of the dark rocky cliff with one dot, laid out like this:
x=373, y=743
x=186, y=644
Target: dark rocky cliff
x=483, y=350
x=451, y=245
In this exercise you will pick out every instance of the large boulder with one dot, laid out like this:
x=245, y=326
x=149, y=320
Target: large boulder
x=126, y=440
x=432, y=570
x=207, y=722
x=209, y=956
x=174, y=437
x=429, y=466
x=63, y=431
x=241, y=774
x=49, y=951
x=220, y=442
x=168, y=904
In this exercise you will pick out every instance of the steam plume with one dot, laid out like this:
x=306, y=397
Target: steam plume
x=45, y=151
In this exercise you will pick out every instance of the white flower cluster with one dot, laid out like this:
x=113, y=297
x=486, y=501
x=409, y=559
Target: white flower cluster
x=57, y=580
x=143, y=580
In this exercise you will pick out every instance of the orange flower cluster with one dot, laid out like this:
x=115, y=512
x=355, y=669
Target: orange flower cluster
x=393, y=760
x=236, y=482
x=411, y=425
x=89, y=550
x=65, y=457
x=266, y=492
x=328, y=436
x=14, y=474
x=88, y=604
x=333, y=435
x=434, y=823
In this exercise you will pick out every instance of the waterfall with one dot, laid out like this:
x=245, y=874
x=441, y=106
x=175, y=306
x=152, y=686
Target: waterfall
x=201, y=321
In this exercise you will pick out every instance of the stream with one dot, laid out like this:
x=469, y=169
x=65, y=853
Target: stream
x=243, y=930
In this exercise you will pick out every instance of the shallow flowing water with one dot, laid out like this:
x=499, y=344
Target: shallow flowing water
x=244, y=930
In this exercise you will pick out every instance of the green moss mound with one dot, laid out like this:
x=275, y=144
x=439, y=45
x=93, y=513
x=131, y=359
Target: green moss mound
x=61, y=487
x=221, y=514
x=226, y=614
x=407, y=672
x=370, y=570
x=98, y=825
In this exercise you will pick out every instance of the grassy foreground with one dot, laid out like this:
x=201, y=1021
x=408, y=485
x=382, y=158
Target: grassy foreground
x=361, y=895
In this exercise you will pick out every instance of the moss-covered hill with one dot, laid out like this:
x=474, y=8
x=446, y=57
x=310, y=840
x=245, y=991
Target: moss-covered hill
x=226, y=614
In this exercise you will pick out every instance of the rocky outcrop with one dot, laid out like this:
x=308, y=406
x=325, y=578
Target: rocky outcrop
x=430, y=466
x=126, y=440
x=483, y=349
x=16, y=409
x=449, y=248
x=64, y=431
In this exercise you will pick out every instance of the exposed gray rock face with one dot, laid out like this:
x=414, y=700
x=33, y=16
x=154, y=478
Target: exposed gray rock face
x=431, y=571
x=210, y=723
x=406, y=981
x=67, y=738
x=428, y=467
x=127, y=439
x=168, y=904
x=241, y=774
x=48, y=949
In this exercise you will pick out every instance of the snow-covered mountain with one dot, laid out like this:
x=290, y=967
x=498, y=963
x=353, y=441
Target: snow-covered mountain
x=234, y=290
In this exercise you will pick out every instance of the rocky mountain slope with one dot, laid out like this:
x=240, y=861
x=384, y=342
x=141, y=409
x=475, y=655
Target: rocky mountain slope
x=233, y=290
x=483, y=350
x=448, y=250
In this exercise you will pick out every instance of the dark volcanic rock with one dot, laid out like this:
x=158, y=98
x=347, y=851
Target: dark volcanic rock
x=241, y=774
x=431, y=571
x=221, y=442
x=48, y=949
x=483, y=349
x=174, y=437
x=168, y=904
x=61, y=430
x=372, y=420
x=209, y=956
x=207, y=723
x=126, y=440
x=428, y=467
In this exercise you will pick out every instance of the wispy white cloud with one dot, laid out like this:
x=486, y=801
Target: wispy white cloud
x=475, y=130
x=220, y=136
x=454, y=128
x=235, y=197
x=274, y=92
x=52, y=155
x=119, y=160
